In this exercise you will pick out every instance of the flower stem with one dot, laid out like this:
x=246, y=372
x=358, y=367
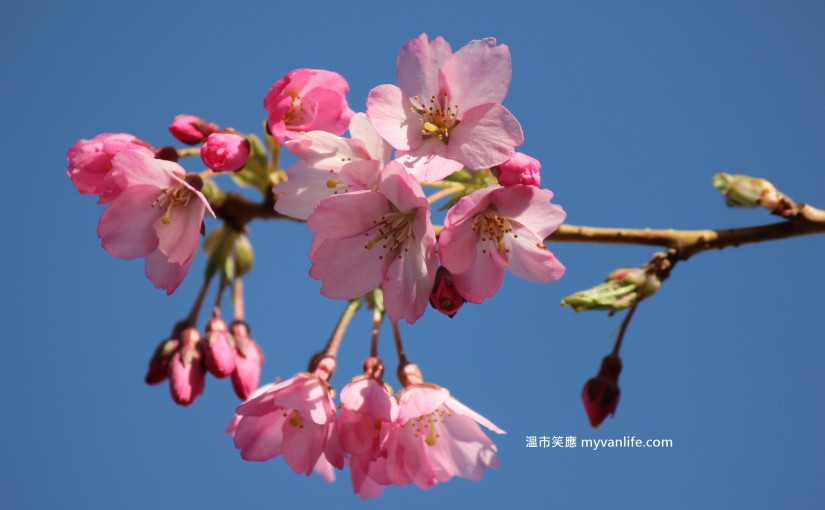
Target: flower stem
x=237, y=299
x=396, y=333
x=192, y=151
x=192, y=318
x=622, y=330
x=377, y=318
x=334, y=342
x=446, y=192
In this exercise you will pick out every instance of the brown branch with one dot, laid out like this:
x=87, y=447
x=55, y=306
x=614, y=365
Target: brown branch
x=236, y=211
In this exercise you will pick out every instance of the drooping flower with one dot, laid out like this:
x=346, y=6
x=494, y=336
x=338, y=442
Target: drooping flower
x=330, y=165
x=520, y=169
x=364, y=239
x=368, y=410
x=225, y=152
x=436, y=438
x=191, y=130
x=294, y=418
x=90, y=161
x=446, y=111
x=600, y=394
x=156, y=214
x=496, y=228
x=307, y=100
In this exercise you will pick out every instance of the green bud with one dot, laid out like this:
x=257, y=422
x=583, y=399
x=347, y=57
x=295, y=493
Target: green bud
x=623, y=288
x=244, y=255
x=747, y=192
x=218, y=247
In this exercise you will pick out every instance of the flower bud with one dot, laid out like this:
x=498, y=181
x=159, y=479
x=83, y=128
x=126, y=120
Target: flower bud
x=167, y=154
x=601, y=393
x=191, y=130
x=187, y=374
x=622, y=289
x=444, y=296
x=225, y=152
x=90, y=161
x=247, y=362
x=219, y=349
x=749, y=192
x=159, y=364
x=519, y=169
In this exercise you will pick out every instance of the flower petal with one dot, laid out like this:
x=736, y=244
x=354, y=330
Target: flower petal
x=348, y=214
x=305, y=188
x=484, y=276
x=529, y=258
x=346, y=269
x=486, y=137
x=477, y=74
x=418, y=64
x=388, y=110
x=260, y=437
x=164, y=274
x=531, y=207
x=126, y=225
x=427, y=167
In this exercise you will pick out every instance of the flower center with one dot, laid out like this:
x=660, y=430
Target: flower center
x=437, y=118
x=294, y=419
x=169, y=198
x=391, y=233
x=295, y=114
x=426, y=425
x=492, y=228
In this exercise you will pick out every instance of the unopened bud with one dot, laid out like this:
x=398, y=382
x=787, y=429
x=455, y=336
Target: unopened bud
x=219, y=349
x=159, y=364
x=191, y=130
x=225, y=152
x=749, y=192
x=187, y=374
x=519, y=169
x=247, y=363
x=444, y=296
x=622, y=289
x=601, y=393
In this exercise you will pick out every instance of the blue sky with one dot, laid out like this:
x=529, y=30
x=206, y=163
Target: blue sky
x=631, y=108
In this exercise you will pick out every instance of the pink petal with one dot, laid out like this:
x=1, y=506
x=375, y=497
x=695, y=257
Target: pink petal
x=418, y=64
x=126, y=226
x=420, y=400
x=361, y=175
x=477, y=74
x=346, y=215
x=402, y=189
x=302, y=445
x=363, y=133
x=307, y=395
x=459, y=408
x=306, y=187
x=164, y=274
x=530, y=259
x=486, y=137
x=483, y=278
x=531, y=207
x=427, y=167
x=178, y=239
x=324, y=150
x=346, y=268
x=369, y=396
x=132, y=168
x=260, y=437
x=409, y=281
x=388, y=110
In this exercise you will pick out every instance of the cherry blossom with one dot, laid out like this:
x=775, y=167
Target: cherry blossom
x=364, y=239
x=90, y=161
x=496, y=228
x=446, y=111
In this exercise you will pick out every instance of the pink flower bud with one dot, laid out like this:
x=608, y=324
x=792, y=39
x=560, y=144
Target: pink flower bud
x=219, y=349
x=519, y=169
x=187, y=375
x=159, y=364
x=225, y=152
x=444, y=297
x=191, y=130
x=91, y=160
x=247, y=362
x=601, y=393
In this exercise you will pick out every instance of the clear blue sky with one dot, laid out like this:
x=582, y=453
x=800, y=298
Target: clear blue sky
x=630, y=106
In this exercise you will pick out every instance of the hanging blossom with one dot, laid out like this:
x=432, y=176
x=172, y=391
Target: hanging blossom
x=364, y=239
x=446, y=111
x=496, y=228
x=307, y=100
x=329, y=165
x=90, y=161
x=156, y=214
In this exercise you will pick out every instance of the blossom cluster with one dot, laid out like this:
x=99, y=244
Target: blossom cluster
x=420, y=436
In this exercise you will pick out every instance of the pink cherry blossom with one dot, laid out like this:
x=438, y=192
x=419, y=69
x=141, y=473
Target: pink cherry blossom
x=330, y=165
x=496, y=228
x=225, y=152
x=90, y=161
x=367, y=411
x=294, y=418
x=157, y=215
x=446, y=111
x=364, y=239
x=308, y=100
x=436, y=438
x=520, y=169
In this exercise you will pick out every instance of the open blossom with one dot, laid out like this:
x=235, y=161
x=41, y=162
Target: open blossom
x=496, y=228
x=156, y=214
x=90, y=161
x=329, y=164
x=364, y=239
x=294, y=418
x=307, y=100
x=436, y=438
x=446, y=111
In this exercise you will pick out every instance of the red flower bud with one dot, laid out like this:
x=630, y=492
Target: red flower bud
x=247, y=362
x=601, y=393
x=444, y=296
x=187, y=374
x=191, y=130
x=159, y=364
x=218, y=349
x=225, y=152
